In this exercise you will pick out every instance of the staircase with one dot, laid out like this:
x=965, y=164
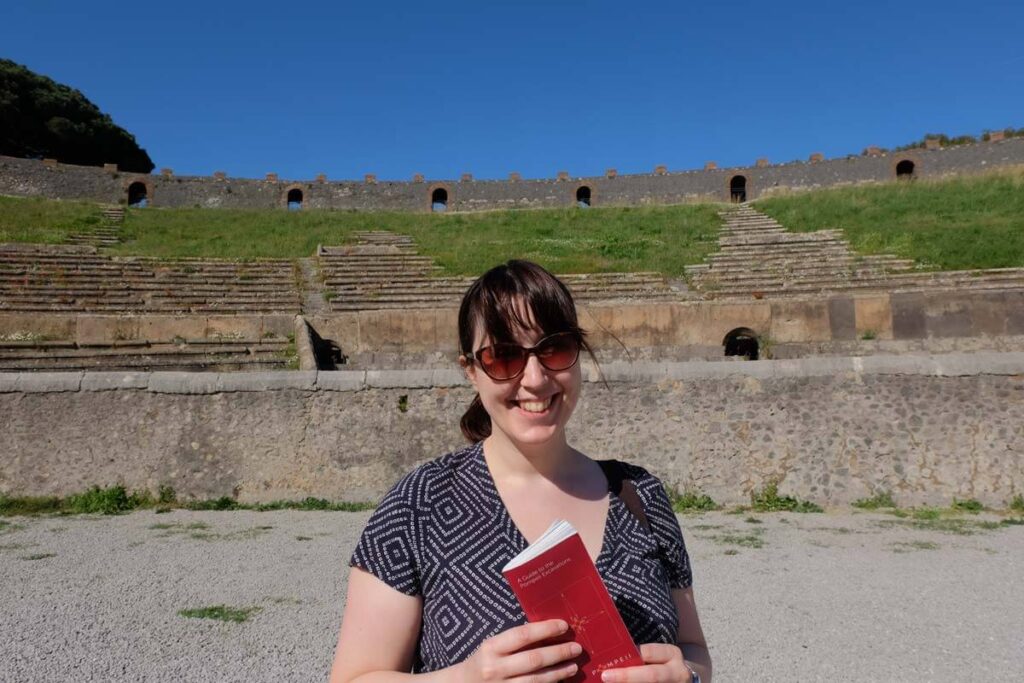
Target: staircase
x=107, y=233
x=759, y=258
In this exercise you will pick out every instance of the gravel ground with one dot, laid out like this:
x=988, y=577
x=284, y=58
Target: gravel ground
x=819, y=597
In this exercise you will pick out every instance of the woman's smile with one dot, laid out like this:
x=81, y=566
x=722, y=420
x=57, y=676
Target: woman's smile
x=536, y=406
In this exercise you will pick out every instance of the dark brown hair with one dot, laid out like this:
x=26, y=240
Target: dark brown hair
x=496, y=304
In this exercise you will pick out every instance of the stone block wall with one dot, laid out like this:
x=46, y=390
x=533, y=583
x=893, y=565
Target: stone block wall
x=926, y=428
x=23, y=177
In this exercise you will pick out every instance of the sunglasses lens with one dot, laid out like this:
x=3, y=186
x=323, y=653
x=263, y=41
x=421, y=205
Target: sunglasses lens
x=503, y=361
x=559, y=352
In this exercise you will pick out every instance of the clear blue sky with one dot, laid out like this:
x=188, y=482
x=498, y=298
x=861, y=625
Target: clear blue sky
x=487, y=87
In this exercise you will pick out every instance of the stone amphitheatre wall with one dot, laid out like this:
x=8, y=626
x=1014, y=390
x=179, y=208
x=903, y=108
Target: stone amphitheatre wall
x=22, y=177
x=870, y=323
x=832, y=430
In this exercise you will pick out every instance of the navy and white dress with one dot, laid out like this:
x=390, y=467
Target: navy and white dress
x=444, y=533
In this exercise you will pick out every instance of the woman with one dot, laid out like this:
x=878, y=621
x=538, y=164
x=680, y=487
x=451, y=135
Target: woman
x=426, y=594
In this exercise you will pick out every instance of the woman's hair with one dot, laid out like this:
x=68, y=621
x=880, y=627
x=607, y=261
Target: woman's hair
x=500, y=303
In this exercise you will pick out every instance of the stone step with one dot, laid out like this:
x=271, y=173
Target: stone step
x=109, y=364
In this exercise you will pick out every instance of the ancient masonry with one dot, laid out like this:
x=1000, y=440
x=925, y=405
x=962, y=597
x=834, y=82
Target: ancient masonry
x=47, y=178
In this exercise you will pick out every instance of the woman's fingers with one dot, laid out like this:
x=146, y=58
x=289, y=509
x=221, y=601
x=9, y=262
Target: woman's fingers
x=540, y=658
x=661, y=663
x=549, y=675
x=521, y=637
x=649, y=673
x=660, y=653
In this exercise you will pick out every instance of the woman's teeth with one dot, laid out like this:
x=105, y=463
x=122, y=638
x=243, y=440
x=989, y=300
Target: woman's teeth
x=536, y=406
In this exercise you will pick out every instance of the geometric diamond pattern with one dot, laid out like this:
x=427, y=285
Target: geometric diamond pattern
x=443, y=533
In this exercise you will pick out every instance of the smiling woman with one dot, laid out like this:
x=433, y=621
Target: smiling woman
x=426, y=596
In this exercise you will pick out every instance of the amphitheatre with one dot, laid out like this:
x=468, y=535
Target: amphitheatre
x=740, y=345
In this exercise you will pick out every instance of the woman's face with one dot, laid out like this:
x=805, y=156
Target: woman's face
x=533, y=408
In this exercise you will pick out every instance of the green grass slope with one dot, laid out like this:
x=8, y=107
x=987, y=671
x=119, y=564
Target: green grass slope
x=663, y=239
x=949, y=224
x=46, y=221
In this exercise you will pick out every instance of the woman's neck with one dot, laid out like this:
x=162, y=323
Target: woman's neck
x=511, y=461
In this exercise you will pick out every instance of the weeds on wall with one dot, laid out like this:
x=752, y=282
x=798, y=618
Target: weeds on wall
x=115, y=500
x=691, y=500
x=769, y=500
x=882, y=499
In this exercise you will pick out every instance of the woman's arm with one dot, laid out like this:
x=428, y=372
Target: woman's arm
x=381, y=626
x=378, y=632
x=690, y=636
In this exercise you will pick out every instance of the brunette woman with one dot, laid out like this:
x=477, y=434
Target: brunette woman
x=426, y=596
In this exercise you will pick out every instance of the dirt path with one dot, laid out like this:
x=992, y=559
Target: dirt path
x=787, y=597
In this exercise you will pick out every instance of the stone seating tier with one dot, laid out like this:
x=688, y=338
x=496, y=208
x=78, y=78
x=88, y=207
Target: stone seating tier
x=62, y=278
x=143, y=356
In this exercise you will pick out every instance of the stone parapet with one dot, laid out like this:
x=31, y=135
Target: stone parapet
x=926, y=428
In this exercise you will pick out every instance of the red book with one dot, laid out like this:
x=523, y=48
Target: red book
x=554, y=578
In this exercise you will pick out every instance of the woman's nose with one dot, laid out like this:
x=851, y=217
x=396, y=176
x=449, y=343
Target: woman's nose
x=534, y=374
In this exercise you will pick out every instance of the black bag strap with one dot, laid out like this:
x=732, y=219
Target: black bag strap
x=625, y=489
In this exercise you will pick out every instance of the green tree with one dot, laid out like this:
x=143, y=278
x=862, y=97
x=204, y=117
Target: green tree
x=42, y=118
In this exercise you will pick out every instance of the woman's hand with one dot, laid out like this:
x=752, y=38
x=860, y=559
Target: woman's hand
x=514, y=655
x=662, y=664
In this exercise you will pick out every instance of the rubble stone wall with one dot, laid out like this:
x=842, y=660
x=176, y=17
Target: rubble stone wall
x=23, y=177
x=831, y=430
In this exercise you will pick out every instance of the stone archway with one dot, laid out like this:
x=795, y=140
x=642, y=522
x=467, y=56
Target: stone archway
x=584, y=196
x=738, y=188
x=138, y=195
x=905, y=169
x=439, y=197
x=742, y=342
x=293, y=199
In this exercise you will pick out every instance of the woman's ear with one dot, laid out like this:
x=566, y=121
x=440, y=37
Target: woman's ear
x=469, y=369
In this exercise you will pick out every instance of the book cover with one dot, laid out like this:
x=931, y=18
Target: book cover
x=554, y=578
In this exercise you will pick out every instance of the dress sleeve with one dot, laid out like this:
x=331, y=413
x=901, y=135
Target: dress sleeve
x=389, y=547
x=665, y=527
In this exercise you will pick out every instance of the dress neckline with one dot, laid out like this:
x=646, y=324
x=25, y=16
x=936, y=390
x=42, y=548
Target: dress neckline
x=512, y=533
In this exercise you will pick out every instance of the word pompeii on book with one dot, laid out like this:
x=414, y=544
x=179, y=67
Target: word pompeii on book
x=554, y=578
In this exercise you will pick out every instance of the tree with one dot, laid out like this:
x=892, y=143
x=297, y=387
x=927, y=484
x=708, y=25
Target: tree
x=42, y=118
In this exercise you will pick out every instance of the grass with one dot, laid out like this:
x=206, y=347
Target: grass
x=1017, y=504
x=691, y=501
x=48, y=221
x=663, y=239
x=38, y=556
x=882, y=499
x=957, y=223
x=769, y=500
x=752, y=540
x=116, y=499
x=914, y=545
x=220, y=613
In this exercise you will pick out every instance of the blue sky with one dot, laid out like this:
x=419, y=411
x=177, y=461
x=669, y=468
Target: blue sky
x=487, y=88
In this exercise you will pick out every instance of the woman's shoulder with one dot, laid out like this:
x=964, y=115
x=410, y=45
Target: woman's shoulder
x=429, y=479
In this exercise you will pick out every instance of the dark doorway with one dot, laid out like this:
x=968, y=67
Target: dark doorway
x=439, y=200
x=905, y=169
x=295, y=200
x=583, y=197
x=137, y=195
x=742, y=342
x=738, y=188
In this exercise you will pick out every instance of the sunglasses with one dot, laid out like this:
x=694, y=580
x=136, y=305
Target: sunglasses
x=502, y=362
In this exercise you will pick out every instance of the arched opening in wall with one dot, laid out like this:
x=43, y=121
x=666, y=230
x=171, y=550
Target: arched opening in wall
x=742, y=342
x=137, y=195
x=294, y=199
x=583, y=197
x=439, y=199
x=905, y=170
x=738, y=189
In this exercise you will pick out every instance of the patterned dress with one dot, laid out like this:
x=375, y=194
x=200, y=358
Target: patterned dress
x=444, y=533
